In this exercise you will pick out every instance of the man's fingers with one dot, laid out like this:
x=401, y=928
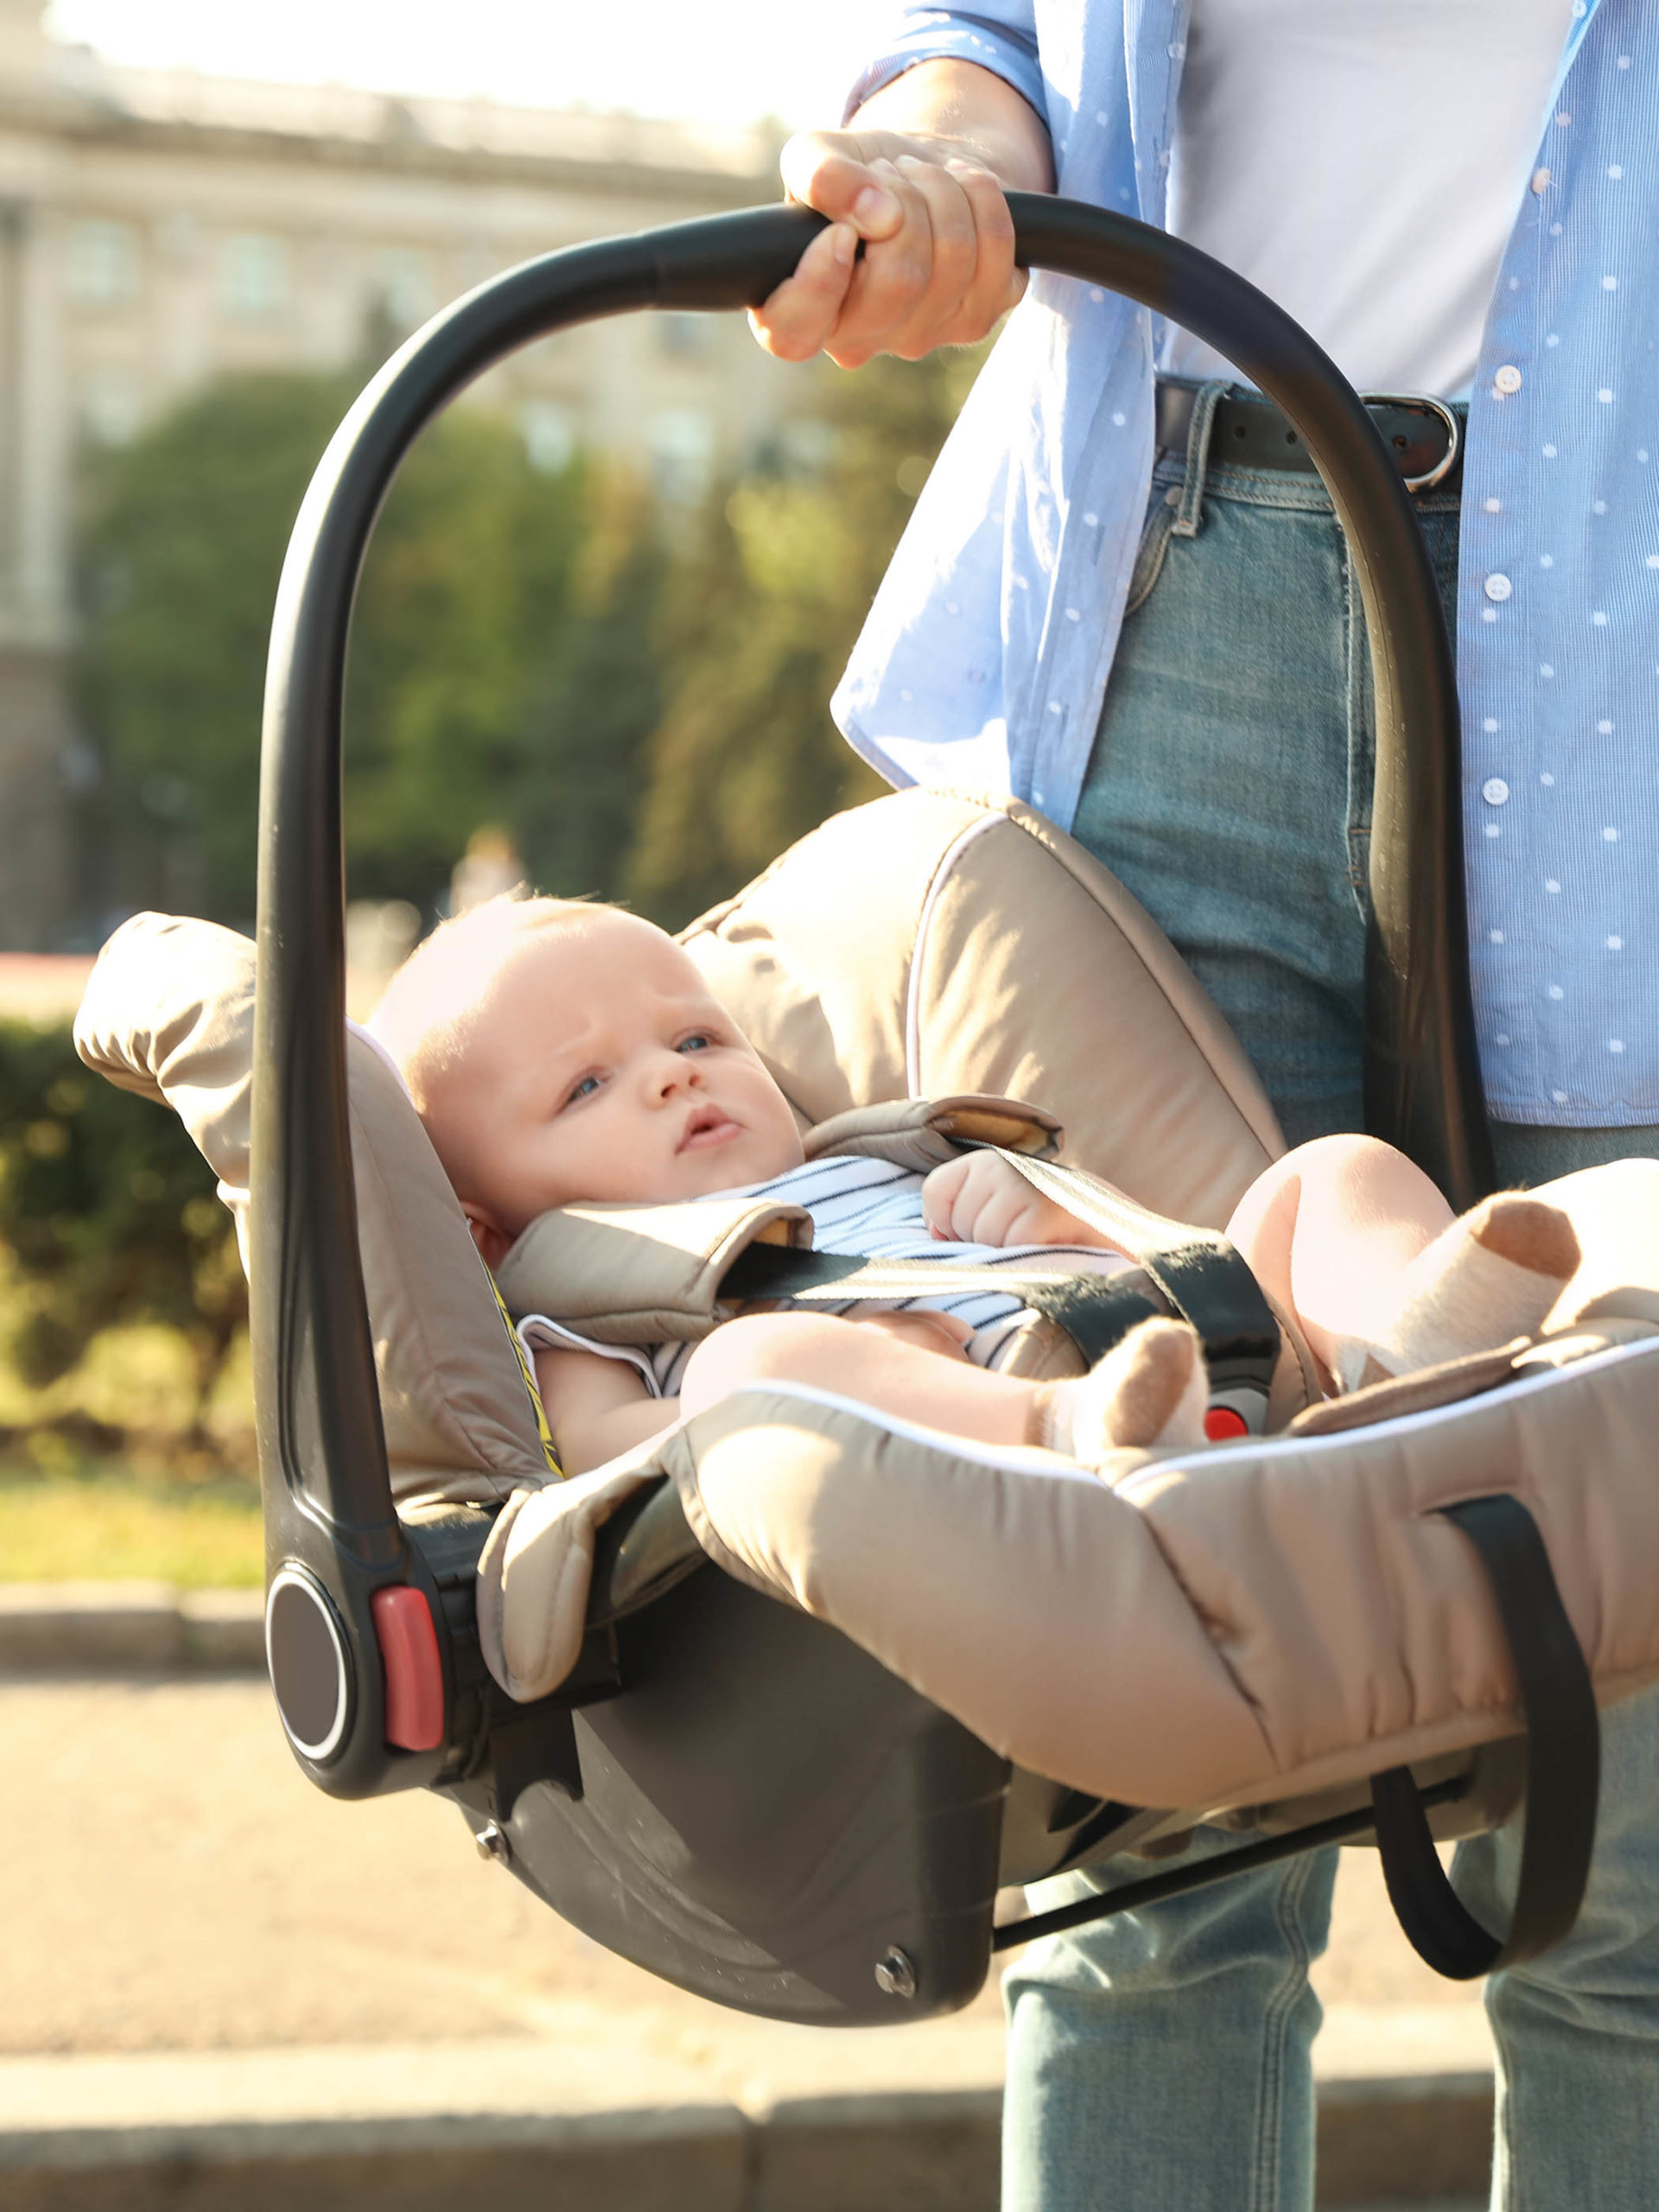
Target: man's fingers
x=996, y=284
x=798, y=318
x=890, y=281
x=937, y=268
x=954, y=251
x=820, y=170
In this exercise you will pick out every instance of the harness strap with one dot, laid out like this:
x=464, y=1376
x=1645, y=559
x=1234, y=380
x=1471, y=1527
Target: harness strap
x=1096, y=1311
x=1563, y=1770
x=1198, y=1273
x=1190, y=1272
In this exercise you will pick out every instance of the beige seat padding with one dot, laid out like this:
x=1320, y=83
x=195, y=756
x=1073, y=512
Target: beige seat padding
x=640, y=1274
x=1254, y=1623
x=1260, y=1621
x=877, y=960
x=169, y=1014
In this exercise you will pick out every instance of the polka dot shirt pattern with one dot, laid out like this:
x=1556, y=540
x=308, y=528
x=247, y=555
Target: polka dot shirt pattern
x=986, y=655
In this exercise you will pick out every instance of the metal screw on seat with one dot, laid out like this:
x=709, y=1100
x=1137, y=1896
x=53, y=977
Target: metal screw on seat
x=492, y=1844
x=895, y=1973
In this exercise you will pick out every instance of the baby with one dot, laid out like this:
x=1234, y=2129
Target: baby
x=558, y=1052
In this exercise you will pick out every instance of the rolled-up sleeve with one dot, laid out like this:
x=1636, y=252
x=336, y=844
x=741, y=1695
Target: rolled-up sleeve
x=999, y=36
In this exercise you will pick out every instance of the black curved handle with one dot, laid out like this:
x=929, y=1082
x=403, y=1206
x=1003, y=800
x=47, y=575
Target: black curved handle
x=322, y=1447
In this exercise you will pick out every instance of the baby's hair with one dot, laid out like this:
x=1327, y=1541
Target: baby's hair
x=429, y=1003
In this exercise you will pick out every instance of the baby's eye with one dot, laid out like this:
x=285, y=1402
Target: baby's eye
x=698, y=1041
x=585, y=1089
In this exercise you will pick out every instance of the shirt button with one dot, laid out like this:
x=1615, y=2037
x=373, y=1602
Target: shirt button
x=1494, y=791
x=1508, y=378
x=1498, y=588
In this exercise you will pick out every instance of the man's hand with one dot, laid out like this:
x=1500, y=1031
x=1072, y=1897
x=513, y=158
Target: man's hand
x=922, y=182
x=980, y=1199
x=938, y=249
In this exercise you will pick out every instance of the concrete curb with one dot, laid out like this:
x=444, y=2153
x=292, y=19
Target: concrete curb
x=124, y=1627
x=822, y=2124
x=424, y=2130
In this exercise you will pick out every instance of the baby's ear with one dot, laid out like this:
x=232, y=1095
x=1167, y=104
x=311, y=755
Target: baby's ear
x=493, y=1242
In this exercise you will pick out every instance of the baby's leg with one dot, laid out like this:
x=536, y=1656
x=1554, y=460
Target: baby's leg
x=1328, y=1229
x=1150, y=1390
x=891, y=1373
x=1365, y=1251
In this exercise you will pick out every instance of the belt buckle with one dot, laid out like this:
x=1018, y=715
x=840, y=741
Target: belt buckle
x=1425, y=402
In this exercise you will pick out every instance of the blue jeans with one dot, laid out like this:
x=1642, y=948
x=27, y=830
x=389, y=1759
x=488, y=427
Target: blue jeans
x=1162, y=2060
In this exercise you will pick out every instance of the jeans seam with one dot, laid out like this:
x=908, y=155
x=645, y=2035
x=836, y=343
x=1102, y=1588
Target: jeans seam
x=1357, y=827
x=1149, y=558
x=1504, y=2197
x=1189, y=515
x=1268, y=2162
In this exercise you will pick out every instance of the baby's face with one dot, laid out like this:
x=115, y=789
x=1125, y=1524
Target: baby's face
x=598, y=1067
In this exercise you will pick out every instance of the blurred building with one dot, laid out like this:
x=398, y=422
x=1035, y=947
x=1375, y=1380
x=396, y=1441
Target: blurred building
x=158, y=229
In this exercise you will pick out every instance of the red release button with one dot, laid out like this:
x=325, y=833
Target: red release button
x=409, y=1652
x=1222, y=1421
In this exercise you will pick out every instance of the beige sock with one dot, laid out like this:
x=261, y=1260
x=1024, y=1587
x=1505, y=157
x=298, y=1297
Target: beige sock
x=1152, y=1389
x=1491, y=1276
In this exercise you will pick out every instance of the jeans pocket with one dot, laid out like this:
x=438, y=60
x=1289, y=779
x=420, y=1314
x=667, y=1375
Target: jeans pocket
x=1149, y=558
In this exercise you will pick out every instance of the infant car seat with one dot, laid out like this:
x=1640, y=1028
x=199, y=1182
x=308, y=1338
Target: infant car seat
x=780, y=1771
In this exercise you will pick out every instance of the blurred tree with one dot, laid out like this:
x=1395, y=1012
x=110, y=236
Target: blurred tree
x=758, y=621
x=640, y=695
x=600, y=699
x=107, y=1214
x=457, y=625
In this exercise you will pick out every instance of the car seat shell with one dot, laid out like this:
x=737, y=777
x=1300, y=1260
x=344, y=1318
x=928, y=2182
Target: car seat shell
x=332, y=1529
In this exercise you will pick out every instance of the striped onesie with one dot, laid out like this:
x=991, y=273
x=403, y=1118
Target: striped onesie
x=868, y=1206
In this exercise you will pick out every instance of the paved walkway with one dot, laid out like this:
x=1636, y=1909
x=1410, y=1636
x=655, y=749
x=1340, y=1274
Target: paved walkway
x=222, y=1990
x=187, y=1890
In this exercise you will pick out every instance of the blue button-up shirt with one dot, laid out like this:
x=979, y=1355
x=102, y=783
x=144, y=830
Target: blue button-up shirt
x=986, y=654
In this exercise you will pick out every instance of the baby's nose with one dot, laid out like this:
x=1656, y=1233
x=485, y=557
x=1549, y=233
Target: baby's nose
x=674, y=1071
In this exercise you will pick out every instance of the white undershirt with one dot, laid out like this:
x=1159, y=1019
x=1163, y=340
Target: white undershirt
x=1361, y=162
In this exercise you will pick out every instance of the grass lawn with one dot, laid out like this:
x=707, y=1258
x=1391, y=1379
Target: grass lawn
x=117, y=1526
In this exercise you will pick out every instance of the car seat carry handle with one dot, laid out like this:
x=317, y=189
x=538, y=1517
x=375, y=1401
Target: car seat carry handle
x=1563, y=1770
x=330, y=1523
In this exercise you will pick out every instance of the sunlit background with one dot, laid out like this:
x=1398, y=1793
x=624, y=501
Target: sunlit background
x=605, y=608
x=734, y=62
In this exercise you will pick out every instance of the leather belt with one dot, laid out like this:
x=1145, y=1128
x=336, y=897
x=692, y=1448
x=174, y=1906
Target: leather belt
x=1422, y=434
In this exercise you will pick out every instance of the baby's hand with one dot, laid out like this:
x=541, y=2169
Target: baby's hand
x=980, y=1199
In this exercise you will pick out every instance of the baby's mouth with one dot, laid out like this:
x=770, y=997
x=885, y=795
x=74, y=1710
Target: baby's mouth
x=708, y=1125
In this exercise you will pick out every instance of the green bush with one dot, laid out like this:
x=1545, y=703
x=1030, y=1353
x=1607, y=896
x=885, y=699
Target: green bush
x=107, y=1214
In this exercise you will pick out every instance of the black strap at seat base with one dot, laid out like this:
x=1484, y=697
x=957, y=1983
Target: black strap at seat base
x=1564, y=1739
x=1563, y=1770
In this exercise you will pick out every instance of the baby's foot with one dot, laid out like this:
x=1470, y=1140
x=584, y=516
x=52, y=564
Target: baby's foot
x=1493, y=1275
x=1150, y=1390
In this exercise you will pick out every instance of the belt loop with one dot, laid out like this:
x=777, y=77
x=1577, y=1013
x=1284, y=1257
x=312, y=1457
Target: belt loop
x=1189, y=518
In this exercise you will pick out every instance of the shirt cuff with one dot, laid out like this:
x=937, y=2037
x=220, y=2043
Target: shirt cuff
x=944, y=35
